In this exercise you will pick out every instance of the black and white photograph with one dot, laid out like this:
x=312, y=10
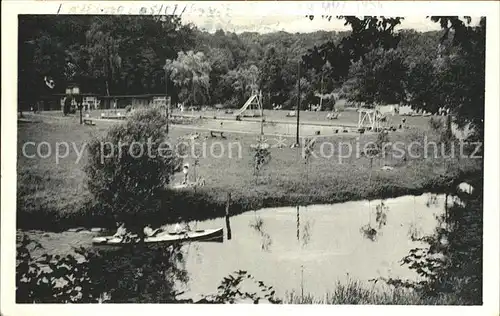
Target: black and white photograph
x=223, y=153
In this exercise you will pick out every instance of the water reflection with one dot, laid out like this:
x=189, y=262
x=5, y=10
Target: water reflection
x=414, y=231
x=369, y=232
x=306, y=233
x=432, y=201
x=381, y=214
x=290, y=248
x=373, y=232
x=298, y=223
x=306, y=230
x=258, y=226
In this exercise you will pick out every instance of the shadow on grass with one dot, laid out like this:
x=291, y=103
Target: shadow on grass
x=209, y=203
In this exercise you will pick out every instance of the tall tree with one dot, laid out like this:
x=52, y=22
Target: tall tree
x=462, y=81
x=243, y=82
x=104, y=60
x=367, y=33
x=190, y=72
x=377, y=78
x=221, y=61
x=272, y=83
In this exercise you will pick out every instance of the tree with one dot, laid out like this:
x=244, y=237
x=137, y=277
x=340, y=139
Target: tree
x=104, y=60
x=452, y=263
x=272, y=79
x=44, y=47
x=307, y=96
x=462, y=80
x=242, y=82
x=130, y=166
x=190, y=72
x=221, y=61
x=261, y=156
x=421, y=89
x=377, y=78
x=368, y=33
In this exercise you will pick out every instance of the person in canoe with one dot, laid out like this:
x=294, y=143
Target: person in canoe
x=181, y=226
x=122, y=232
x=150, y=232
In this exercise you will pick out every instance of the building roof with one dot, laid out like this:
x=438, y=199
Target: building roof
x=132, y=96
x=107, y=96
x=64, y=94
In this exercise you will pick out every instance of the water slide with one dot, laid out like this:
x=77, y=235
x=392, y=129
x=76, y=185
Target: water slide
x=245, y=106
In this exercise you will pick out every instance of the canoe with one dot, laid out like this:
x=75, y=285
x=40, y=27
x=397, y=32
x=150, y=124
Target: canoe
x=165, y=238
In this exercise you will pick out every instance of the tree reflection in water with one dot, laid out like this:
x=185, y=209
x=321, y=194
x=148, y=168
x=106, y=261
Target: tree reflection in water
x=258, y=225
x=414, y=231
x=369, y=232
x=306, y=230
x=381, y=214
x=306, y=233
x=432, y=200
x=372, y=232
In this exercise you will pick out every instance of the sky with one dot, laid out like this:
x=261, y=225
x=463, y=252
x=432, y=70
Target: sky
x=291, y=23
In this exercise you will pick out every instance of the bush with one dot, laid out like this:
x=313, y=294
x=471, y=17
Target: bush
x=129, y=168
x=127, y=275
x=51, y=279
x=328, y=104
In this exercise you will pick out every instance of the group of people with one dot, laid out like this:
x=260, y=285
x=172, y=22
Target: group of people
x=123, y=232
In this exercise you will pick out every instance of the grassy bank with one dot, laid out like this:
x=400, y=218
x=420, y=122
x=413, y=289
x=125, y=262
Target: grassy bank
x=53, y=195
x=357, y=293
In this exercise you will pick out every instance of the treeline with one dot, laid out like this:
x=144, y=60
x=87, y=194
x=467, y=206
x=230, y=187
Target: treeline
x=371, y=64
x=116, y=55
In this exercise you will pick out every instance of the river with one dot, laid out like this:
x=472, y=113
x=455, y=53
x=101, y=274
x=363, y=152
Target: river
x=306, y=248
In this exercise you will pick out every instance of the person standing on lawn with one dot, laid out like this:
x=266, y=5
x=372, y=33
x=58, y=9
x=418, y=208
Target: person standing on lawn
x=185, y=170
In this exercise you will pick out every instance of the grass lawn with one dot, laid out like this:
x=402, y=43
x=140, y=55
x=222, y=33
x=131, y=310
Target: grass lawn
x=53, y=196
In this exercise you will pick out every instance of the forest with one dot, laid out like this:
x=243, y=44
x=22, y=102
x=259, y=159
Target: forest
x=372, y=64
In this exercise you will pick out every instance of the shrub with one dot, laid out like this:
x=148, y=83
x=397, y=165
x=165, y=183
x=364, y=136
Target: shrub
x=261, y=157
x=51, y=279
x=127, y=275
x=129, y=167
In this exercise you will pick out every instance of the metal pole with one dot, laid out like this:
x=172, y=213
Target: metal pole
x=228, y=224
x=261, y=115
x=298, y=102
x=81, y=114
x=166, y=96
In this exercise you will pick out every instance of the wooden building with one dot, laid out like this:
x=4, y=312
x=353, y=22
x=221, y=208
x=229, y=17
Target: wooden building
x=93, y=101
x=122, y=101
